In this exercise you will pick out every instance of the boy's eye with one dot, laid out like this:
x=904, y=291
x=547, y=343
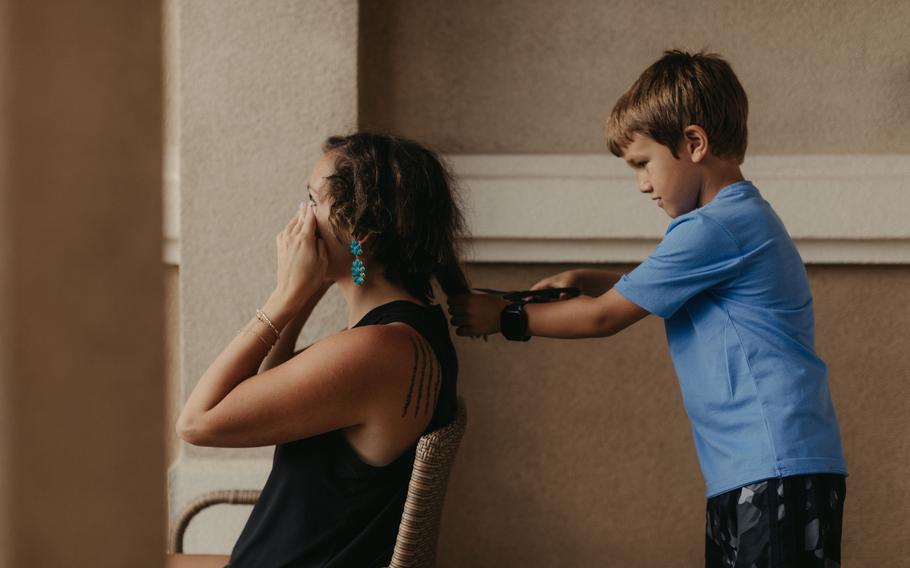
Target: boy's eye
x=641, y=164
x=310, y=195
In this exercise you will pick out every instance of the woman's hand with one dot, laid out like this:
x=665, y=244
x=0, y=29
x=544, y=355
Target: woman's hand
x=302, y=260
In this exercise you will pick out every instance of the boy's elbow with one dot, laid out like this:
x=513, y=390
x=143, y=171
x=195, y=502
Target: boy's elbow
x=609, y=330
x=604, y=326
x=615, y=314
x=608, y=322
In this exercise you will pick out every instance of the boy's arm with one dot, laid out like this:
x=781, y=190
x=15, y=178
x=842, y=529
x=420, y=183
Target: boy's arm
x=609, y=313
x=591, y=282
x=602, y=316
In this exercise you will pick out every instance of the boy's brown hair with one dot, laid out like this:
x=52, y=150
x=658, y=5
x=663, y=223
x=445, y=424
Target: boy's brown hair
x=678, y=90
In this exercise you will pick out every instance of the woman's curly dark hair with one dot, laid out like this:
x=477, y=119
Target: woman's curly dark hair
x=400, y=195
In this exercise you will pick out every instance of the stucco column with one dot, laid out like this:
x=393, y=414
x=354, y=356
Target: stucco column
x=259, y=86
x=81, y=392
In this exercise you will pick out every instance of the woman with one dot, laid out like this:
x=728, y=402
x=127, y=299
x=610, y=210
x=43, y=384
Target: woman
x=346, y=413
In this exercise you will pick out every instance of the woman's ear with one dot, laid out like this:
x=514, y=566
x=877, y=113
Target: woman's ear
x=695, y=142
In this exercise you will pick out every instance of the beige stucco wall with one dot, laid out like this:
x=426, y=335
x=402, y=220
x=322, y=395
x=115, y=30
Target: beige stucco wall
x=579, y=453
x=254, y=88
x=539, y=76
x=261, y=85
x=81, y=394
x=173, y=388
x=170, y=33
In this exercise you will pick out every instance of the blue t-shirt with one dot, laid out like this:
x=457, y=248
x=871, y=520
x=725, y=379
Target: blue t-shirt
x=734, y=294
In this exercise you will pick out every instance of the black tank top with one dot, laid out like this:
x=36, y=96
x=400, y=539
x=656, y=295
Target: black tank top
x=322, y=505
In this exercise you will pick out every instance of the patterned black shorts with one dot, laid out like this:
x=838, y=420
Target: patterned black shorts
x=790, y=522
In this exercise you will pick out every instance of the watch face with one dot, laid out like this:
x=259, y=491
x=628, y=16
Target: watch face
x=513, y=322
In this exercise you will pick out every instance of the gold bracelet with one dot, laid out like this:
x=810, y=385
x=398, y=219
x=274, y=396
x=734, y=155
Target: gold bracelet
x=260, y=315
x=262, y=339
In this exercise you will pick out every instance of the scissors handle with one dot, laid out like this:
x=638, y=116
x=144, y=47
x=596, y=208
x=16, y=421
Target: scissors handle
x=492, y=291
x=532, y=296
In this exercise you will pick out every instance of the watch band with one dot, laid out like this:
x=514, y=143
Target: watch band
x=513, y=322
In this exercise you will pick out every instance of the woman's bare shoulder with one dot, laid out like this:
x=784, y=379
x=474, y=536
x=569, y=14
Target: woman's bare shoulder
x=392, y=343
x=374, y=358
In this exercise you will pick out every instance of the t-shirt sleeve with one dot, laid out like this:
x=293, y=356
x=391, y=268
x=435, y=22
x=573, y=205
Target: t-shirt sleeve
x=696, y=254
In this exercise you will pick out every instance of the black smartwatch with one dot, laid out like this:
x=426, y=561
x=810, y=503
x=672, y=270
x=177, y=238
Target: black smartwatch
x=513, y=322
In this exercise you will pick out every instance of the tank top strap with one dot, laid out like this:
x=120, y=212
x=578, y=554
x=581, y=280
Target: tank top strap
x=404, y=311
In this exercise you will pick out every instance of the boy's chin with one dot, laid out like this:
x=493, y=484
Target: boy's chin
x=674, y=213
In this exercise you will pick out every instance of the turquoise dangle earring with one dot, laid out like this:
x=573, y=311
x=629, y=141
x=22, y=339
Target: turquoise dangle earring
x=358, y=270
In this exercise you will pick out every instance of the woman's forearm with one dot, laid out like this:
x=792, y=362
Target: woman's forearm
x=287, y=341
x=236, y=363
x=284, y=347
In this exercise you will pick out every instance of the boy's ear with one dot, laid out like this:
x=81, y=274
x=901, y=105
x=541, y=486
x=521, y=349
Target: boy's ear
x=695, y=142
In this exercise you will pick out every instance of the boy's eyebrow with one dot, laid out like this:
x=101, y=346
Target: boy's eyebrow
x=632, y=158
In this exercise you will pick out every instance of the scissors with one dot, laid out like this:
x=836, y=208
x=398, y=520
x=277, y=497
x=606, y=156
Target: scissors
x=532, y=296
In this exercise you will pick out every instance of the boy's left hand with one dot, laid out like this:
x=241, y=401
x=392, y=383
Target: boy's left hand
x=475, y=314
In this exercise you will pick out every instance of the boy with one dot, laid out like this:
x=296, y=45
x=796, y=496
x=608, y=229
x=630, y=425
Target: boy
x=734, y=294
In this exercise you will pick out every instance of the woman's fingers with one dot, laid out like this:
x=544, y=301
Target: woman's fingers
x=309, y=224
x=303, y=222
x=293, y=220
x=302, y=215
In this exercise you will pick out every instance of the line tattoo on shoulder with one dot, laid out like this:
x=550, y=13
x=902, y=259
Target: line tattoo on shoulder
x=426, y=376
x=407, y=401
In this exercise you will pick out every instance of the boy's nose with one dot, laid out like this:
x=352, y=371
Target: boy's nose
x=644, y=186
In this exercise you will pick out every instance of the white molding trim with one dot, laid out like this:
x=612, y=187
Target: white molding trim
x=171, y=206
x=171, y=251
x=840, y=209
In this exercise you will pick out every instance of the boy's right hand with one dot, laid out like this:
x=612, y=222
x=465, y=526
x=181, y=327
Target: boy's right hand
x=567, y=279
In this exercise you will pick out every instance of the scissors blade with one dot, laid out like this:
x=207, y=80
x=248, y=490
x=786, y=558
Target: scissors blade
x=492, y=291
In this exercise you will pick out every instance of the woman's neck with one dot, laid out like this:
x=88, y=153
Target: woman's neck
x=375, y=292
